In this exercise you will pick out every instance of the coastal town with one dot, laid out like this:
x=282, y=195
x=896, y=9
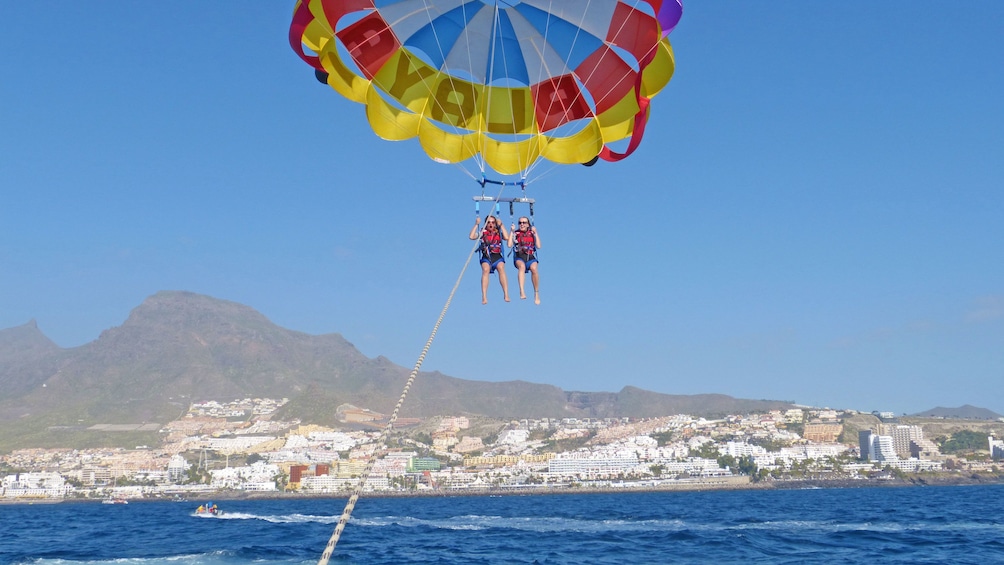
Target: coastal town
x=238, y=449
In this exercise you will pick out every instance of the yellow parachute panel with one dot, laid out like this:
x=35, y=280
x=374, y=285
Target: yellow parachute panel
x=618, y=122
x=388, y=121
x=577, y=148
x=660, y=71
x=510, y=158
x=446, y=147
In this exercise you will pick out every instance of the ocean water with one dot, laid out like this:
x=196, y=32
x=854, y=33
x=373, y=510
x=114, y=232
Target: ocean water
x=882, y=525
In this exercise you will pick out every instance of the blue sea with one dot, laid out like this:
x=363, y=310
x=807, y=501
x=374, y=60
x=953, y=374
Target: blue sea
x=963, y=524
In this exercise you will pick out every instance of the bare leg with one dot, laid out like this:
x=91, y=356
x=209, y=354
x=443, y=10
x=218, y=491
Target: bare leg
x=503, y=281
x=485, y=270
x=520, y=278
x=535, y=279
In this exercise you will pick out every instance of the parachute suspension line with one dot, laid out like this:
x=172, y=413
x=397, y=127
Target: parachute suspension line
x=542, y=174
x=505, y=69
x=532, y=167
x=425, y=82
x=554, y=100
x=531, y=206
x=575, y=39
x=382, y=440
x=478, y=157
x=490, y=76
x=445, y=69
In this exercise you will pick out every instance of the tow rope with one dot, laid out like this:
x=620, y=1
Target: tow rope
x=382, y=440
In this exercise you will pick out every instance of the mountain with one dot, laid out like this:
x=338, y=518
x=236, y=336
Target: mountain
x=179, y=347
x=966, y=412
x=27, y=358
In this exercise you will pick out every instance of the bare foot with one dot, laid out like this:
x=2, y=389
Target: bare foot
x=507, y=298
x=536, y=299
x=484, y=301
x=522, y=296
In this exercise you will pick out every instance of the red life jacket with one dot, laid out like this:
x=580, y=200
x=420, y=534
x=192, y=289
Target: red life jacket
x=491, y=242
x=526, y=242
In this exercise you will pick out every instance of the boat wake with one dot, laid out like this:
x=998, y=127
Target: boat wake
x=275, y=519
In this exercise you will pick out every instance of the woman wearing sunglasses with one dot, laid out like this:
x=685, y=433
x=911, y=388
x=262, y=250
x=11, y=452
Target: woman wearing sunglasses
x=525, y=242
x=492, y=258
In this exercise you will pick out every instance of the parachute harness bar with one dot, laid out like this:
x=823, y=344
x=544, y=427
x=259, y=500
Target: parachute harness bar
x=498, y=199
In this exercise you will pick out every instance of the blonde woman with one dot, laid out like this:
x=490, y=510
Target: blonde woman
x=525, y=241
x=492, y=254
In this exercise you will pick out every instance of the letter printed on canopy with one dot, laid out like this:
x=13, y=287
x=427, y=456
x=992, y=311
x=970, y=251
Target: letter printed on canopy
x=558, y=101
x=370, y=42
x=455, y=102
x=408, y=80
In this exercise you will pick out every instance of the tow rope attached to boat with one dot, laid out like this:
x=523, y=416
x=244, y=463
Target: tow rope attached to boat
x=382, y=440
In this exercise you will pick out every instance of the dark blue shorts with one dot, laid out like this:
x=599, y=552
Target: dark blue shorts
x=527, y=259
x=493, y=259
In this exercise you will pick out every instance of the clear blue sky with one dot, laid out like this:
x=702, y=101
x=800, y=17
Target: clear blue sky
x=816, y=213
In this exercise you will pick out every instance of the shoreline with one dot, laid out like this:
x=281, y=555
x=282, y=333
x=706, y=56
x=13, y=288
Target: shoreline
x=737, y=484
x=798, y=484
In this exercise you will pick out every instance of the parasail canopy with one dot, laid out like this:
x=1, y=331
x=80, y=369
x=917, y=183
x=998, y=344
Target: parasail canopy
x=505, y=82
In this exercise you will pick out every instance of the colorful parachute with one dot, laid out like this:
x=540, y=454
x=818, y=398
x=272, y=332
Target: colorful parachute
x=506, y=82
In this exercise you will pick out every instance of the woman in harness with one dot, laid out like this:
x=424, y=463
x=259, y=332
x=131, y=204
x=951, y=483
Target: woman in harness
x=491, y=254
x=525, y=241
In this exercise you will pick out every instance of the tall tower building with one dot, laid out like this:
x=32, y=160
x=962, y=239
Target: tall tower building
x=865, y=444
x=883, y=448
x=875, y=447
x=902, y=436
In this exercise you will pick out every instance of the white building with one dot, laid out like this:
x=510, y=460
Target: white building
x=739, y=449
x=34, y=485
x=883, y=448
x=695, y=467
x=177, y=468
x=257, y=474
x=513, y=437
x=786, y=456
x=914, y=465
x=394, y=464
x=234, y=444
x=996, y=447
x=326, y=483
x=337, y=441
x=582, y=463
x=877, y=448
x=296, y=442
